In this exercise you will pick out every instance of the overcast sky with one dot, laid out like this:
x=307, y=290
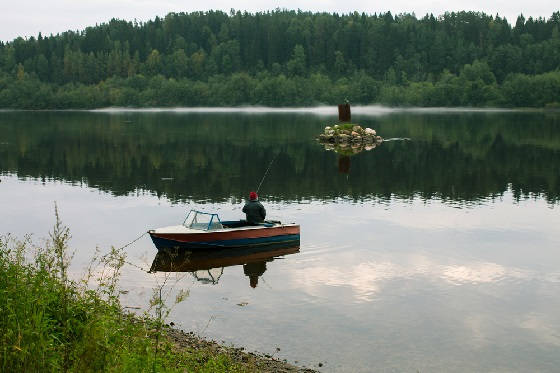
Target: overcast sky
x=29, y=17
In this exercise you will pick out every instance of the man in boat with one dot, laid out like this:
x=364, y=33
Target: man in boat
x=254, y=210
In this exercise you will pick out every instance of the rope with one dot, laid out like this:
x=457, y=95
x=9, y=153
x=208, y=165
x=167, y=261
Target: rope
x=137, y=266
x=133, y=241
x=125, y=246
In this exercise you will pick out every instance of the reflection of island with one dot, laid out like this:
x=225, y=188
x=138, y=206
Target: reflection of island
x=344, y=164
x=345, y=149
x=207, y=265
x=344, y=152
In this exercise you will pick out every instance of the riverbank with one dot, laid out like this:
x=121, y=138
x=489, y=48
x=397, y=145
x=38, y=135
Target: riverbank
x=50, y=322
x=251, y=361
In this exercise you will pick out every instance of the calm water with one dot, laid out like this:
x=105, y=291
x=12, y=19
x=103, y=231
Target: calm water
x=440, y=253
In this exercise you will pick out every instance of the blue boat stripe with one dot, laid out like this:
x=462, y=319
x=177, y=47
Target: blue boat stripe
x=162, y=242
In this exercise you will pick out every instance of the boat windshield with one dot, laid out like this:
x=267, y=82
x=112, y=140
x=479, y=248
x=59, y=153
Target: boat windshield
x=202, y=220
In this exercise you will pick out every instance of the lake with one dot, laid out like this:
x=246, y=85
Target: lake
x=436, y=251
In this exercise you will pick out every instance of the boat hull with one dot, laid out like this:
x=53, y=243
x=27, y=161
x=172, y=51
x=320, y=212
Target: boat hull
x=227, y=238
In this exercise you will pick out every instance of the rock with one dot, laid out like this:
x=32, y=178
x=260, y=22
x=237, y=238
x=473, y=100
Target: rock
x=343, y=140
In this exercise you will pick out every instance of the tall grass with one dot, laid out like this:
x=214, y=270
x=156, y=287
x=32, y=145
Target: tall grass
x=49, y=322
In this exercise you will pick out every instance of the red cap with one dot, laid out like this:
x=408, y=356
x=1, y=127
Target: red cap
x=253, y=196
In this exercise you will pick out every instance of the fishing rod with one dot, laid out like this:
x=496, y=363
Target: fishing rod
x=266, y=172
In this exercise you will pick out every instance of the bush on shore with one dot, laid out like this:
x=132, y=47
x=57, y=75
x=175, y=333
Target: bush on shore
x=49, y=322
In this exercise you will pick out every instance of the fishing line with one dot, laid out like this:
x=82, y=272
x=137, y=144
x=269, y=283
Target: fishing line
x=266, y=172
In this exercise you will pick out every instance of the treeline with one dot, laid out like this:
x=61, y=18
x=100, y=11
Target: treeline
x=284, y=58
x=474, y=86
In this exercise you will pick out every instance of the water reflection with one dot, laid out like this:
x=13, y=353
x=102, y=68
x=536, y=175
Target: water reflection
x=207, y=265
x=217, y=157
x=375, y=287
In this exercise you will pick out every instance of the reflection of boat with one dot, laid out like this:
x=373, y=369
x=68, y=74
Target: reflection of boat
x=203, y=230
x=202, y=263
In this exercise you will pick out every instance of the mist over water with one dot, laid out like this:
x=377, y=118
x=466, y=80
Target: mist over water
x=438, y=253
x=370, y=110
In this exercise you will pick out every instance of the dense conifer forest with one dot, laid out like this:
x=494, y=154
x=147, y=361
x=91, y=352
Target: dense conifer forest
x=288, y=58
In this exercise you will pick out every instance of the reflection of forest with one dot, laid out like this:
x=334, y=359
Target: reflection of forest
x=218, y=156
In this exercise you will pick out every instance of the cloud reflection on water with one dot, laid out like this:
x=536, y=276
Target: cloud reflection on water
x=367, y=281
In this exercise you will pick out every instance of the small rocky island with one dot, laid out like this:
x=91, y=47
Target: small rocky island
x=350, y=134
x=347, y=138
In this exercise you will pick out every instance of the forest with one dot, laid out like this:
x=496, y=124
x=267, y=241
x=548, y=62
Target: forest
x=288, y=58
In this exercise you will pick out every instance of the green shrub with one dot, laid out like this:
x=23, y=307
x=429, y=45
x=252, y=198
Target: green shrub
x=51, y=323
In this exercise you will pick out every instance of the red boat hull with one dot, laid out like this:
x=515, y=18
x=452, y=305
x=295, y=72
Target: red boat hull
x=228, y=238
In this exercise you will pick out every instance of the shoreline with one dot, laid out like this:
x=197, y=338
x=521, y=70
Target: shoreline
x=55, y=322
x=259, y=361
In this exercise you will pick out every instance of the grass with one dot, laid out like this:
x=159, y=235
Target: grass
x=49, y=322
x=345, y=126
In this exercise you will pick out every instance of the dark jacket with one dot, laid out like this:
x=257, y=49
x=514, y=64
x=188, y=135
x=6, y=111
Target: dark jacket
x=254, y=212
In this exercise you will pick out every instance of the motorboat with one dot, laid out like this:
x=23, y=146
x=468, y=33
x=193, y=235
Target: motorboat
x=203, y=230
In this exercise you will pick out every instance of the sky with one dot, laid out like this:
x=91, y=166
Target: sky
x=29, y=17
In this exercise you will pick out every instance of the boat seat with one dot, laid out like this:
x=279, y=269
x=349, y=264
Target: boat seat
x=235, y=224
x=244, y=223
